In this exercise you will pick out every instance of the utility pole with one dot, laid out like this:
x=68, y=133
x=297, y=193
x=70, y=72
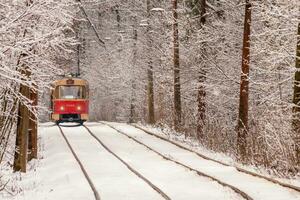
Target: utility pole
x=177, y=94
x=150, y=88
x=244, y=86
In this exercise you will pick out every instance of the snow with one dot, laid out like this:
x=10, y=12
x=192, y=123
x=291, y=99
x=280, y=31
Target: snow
x=194, y=145
x=157, y=9
x=257, y=188
x=176, y=181
x=58, y=176
x=107, y=173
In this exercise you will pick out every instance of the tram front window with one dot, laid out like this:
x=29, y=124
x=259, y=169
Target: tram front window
x=71, y=92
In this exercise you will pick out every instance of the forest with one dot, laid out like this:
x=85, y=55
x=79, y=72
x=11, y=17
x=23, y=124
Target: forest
x=222, y=72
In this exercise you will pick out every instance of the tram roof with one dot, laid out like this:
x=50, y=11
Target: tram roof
x=70, y=81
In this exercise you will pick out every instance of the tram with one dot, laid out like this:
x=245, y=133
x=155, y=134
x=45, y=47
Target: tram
x=70, y=100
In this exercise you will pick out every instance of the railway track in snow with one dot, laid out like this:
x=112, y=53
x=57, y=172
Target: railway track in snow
x=128, y=137
x=199, y=173
x=163, y=194
x=84, y=171
x=285, y=185
x=240, y=180
x=88, y=177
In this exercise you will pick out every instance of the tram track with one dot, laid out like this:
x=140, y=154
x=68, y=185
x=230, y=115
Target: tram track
x=91, y=184
x=199, y=173
x=88, y=178
x=285, y=185
x=158, y=190
x=136, y=171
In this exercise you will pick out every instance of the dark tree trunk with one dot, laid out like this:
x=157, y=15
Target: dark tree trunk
x=151, y=117
x=201, y=79
x=133, y=83
x=177, y=94
x=296, y=100
x=32, y=139
x=20, y=158
x=23, y=119
x=244, y=86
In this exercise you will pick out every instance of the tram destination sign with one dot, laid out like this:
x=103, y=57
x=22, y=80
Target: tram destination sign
x=70, y=82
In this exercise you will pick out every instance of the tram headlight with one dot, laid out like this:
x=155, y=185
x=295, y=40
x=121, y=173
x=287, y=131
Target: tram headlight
x=62, y=108
x=78, y=108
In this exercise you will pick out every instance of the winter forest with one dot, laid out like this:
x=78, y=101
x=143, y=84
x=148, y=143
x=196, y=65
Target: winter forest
x=222, y=72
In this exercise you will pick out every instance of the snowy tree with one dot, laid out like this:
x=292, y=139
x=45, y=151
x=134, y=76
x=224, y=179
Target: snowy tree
x=132, y=75
x=36, y=44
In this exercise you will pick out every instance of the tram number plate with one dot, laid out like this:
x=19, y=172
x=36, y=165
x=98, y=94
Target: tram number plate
x=70, y=81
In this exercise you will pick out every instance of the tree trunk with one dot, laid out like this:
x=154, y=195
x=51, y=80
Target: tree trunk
x=296, y=100
x=244, y=86
x=78, y=51
x=20, y=156
x=133, y=83
x=32, y=139
x=201, y=79
x=177, y=95
x=150, y=89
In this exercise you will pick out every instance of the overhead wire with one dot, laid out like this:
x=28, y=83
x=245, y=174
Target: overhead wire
x=102, y=43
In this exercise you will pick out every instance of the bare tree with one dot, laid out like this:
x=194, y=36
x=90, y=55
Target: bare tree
x=151, y=117
x=21, y=147
x=202, y=76
x=32, y=134
x=296, y=99
x=133, y=81
x=177, y=94
x=33, y=60
x=244, y=85
x=20, y=160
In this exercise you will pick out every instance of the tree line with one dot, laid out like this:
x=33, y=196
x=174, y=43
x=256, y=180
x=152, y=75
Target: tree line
x=36, y=39
x=220, y=72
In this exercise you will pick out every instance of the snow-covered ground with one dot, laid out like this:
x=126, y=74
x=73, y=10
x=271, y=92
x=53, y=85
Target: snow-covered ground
x=194, y=145
x=174, y=180
x=57, y=176
x=257, y=188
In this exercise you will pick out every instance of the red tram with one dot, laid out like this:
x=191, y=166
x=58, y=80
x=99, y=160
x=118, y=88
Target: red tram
x=69, y=100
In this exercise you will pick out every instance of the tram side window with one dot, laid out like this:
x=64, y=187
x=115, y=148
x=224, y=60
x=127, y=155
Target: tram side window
x=71, y=92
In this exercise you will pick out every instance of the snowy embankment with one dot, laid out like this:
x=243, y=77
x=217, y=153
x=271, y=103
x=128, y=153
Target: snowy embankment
x=194, y=145
x=257, y=188
x=57, y=175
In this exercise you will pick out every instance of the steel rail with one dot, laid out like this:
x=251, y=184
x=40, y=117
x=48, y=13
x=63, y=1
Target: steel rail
x=96, y=194
x=289, y=186
x=236, y=190
x=163, y=194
